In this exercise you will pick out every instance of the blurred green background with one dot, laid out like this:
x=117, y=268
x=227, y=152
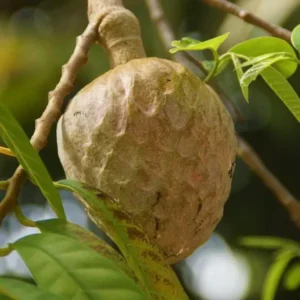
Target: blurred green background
x=37, y=38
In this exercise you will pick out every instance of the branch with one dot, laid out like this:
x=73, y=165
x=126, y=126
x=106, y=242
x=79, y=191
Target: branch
x=52, y=112
x=250, y=18
x=244, y=150
x=285, y=198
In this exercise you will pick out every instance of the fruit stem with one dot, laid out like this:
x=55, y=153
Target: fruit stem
x=119, y=30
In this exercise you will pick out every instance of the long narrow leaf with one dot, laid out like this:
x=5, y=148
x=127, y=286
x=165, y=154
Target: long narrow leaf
x=269, y=242
x=16, y=139
x=240, y=73
x=146, y=261
x=283, y=90
x=73, y=271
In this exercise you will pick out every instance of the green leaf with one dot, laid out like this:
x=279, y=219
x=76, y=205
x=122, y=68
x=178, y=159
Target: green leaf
x=267, y=242
x=295, y=38
x=265, y=45
x=16, y=139
x=188, y=44
x=292, y=278
x=252, y=73
x=240, y=73
x=66, y=228
x=274, y=274
x=21, y=290
x=283, y=90
x=264, y=57
x=156, y=277
x=71, y=270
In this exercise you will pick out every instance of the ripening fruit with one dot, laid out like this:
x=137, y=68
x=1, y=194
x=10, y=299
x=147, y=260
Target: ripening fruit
x=154, y=136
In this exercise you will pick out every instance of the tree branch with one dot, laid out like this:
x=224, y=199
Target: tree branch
x=244, y=150
x=52, y=112
x=250, y=18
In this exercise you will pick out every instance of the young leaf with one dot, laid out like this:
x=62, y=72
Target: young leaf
x=16, y=139
x=264, y=57
x=71, y=270
x=145, y=259
x=240, y=73
x=252, y=73
x=275, y=272
x=188, y=44
x=296, y=37
x=292, y=278
x=264, y=45
x=268, y=242
x=20, y=290
x=283, y=90
x=66, y=228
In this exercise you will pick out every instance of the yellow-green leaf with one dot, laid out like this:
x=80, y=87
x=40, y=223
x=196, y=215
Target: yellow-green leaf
x=267, y=44
x=283, y=90
x=188, y=44
x=16, y=139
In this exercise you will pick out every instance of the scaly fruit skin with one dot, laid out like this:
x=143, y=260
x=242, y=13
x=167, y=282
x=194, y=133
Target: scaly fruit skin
x=154, y=136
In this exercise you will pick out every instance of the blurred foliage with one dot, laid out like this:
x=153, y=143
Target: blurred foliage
x=38, y=36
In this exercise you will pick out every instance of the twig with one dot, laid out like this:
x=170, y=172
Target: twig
x=250, y=18
x=244, y=150
x=52, y=112
x=284, y=197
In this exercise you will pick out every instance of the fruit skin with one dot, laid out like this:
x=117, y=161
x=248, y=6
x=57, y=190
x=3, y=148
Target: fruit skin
x=154, y=136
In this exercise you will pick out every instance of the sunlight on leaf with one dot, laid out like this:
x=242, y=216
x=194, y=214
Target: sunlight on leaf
x=16, y=139
x=188, y=44
x=296, y=37
x=283, y=90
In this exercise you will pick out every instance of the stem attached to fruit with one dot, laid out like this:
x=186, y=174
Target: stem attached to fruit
x=119, y=31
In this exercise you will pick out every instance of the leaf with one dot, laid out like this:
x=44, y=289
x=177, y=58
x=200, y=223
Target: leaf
x=71, y=270
x=146, y=261
x=16, y=139
x=265, y=45
x=274, y=274
x=240, y=73
x=292, y=278
x=66, y=228
x=295, y=38
x=20, y=290
x=264, y=57
x=283, y=90
x=188, y=44
x=209, y=65
x=252, y=73
x=266, y=242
